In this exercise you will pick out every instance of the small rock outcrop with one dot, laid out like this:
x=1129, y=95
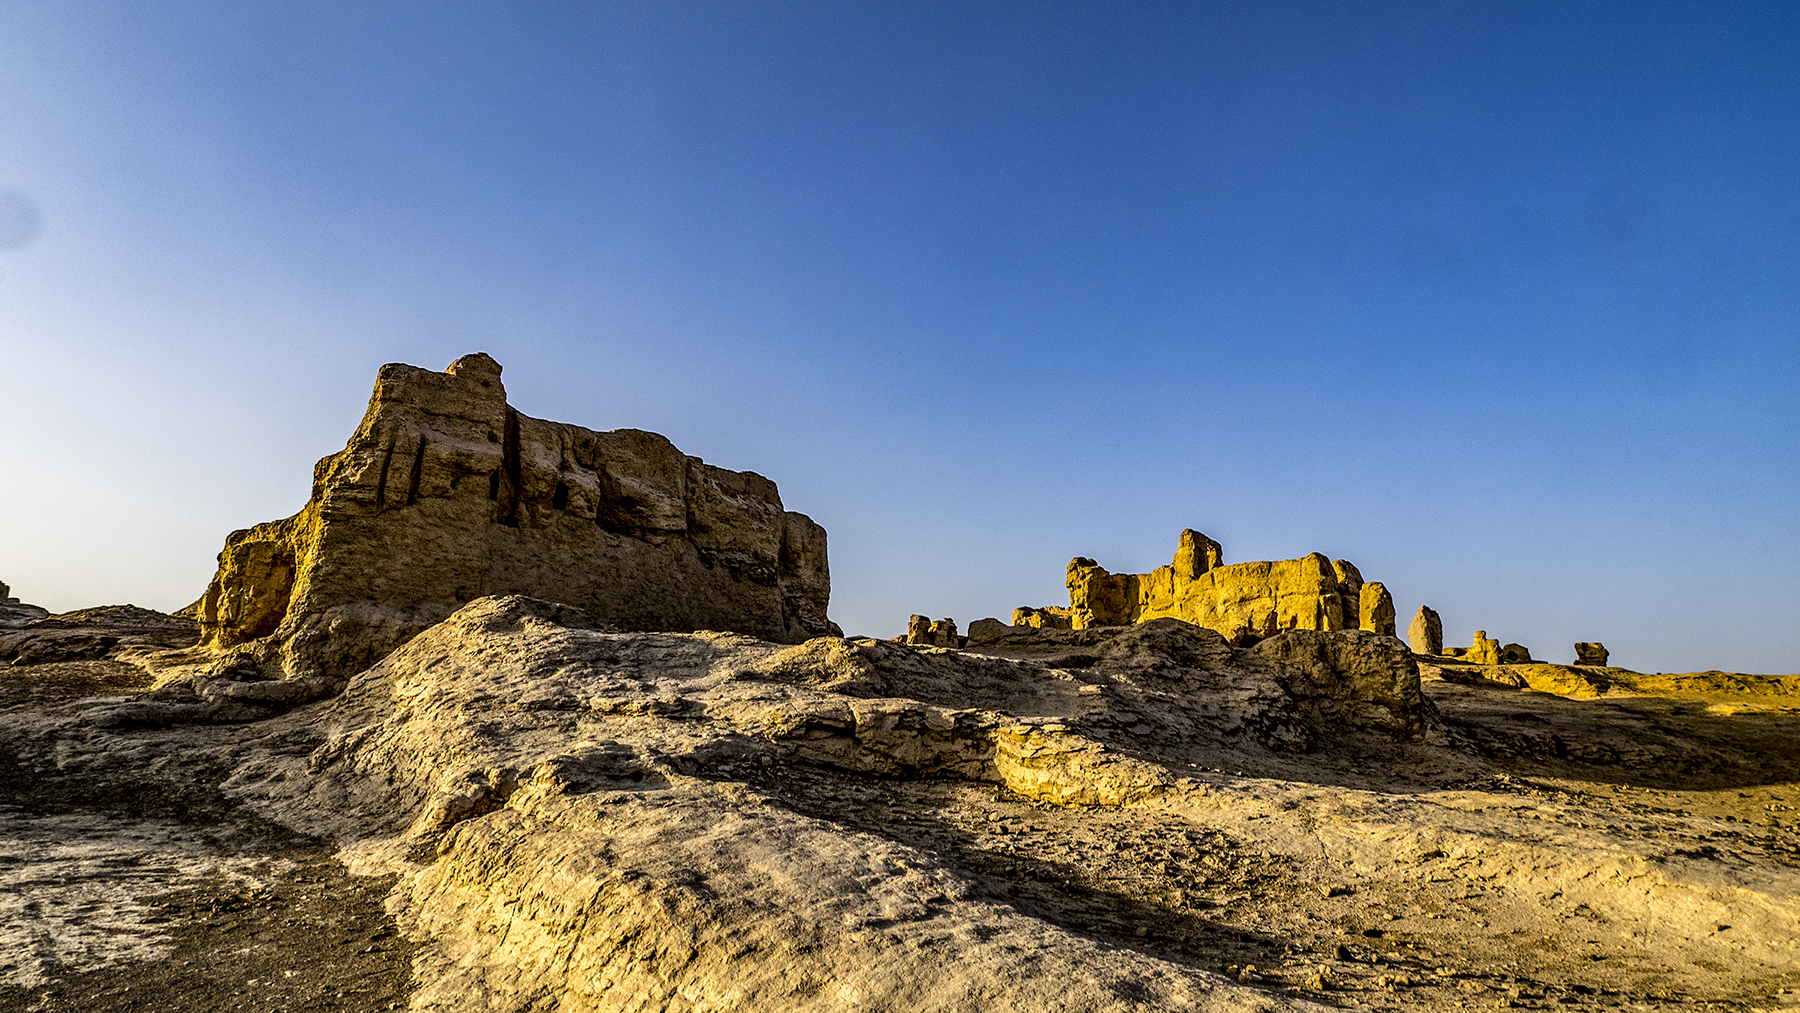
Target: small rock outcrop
x=1515, y=654
x=1375, y=611
x=1426, y=633
x=36, y=638
x=1353, y=678
x=926, y=632
x=983, y=631
x=446, y=494
x=1052, y=617
x=1484, y=650
x=1244, y=601
x=15, y=613
x=1590, y=653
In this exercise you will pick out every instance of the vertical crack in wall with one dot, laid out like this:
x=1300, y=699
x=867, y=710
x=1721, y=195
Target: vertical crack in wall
x=418, y=469
x=511, y=474
x=387, y=458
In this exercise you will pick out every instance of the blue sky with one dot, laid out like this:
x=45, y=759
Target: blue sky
x=1500, y=301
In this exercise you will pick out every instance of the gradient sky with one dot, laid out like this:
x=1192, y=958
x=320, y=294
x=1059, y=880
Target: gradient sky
x=1500, y=301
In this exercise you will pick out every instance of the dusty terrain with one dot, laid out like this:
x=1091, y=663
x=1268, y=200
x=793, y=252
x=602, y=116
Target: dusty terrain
x=559, y=816
x=128, y=881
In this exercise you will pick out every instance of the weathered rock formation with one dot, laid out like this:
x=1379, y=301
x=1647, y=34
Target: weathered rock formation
x=15, y=613
x=1375, y=610
x=1052, y=617
x=1123, y=818
x=1426, y=633
x=1590, y=653
x=34, y=637
x=1244, y=601
x=1515, y=654
x=983, y=631
x=608, y=822
x=929, y=633
x=1354, y=679
x=446, y=494
x=1484, y=650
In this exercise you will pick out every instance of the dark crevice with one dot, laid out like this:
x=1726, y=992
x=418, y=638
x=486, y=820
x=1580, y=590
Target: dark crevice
x=560, y=501
x=509, y=480
x=387, y=459
x=418, y=470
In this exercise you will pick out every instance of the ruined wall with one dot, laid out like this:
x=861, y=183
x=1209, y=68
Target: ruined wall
x=446, y=494
x=1244, y=601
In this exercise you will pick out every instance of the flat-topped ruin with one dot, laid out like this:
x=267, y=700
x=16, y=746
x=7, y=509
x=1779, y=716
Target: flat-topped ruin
x=446, y=493
x=1244, y=601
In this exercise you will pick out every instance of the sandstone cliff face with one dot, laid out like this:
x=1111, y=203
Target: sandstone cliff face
x=1244, y=601
x=446, y=493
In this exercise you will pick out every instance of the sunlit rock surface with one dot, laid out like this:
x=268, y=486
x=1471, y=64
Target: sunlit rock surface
x=1244, y=601
x=446, y=493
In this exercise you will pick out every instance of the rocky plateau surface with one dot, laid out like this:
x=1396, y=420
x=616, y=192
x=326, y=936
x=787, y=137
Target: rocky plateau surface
x=524, y=808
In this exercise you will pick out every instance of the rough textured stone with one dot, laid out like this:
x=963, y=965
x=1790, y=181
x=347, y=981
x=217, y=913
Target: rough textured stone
x=983, y=631
x=1484, y=650
x=446, y=494
x=1195, y=554
x=918, y=630
x=15, y=613
x=1375, y=611
x=926, y=632
x=1515, y=654
x=91, y=634
x=1053, y=617
x=1244, y=601
x=1425, y=635
x=1355, y=678
x=577, y=787
x=584, y=820
x=1590, y=653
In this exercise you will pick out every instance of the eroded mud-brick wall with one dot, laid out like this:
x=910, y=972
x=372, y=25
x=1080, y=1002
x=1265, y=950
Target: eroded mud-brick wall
x=446, y=493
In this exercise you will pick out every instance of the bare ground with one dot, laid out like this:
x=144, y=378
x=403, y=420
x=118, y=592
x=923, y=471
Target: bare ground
x=138, y=885
x=151, y=889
